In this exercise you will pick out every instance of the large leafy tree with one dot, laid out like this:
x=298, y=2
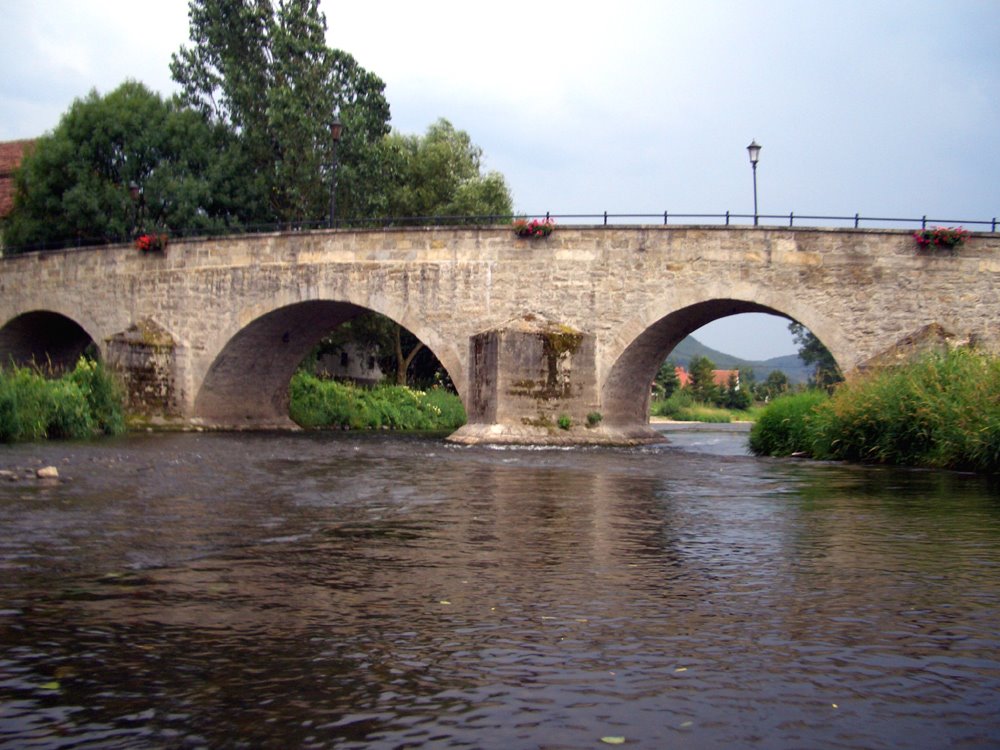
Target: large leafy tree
x=440, y=174
x=264, y=70
x=121, y=163
x=436, y=175
x=812, y=352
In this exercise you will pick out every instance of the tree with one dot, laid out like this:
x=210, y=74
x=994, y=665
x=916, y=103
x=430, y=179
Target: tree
x=440, y=174
x=826, y=373
x=121, y=163
x=666, y=380
x=735, y=395
x=398, y=351
x=267, y=73
x=773, y=386
x=703, y=380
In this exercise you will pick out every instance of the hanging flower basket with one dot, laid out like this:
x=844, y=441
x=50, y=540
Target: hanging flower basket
x=946, y=238
x=148, y=243
x=533, y=228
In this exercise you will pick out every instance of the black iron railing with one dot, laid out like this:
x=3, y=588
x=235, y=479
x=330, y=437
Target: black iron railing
x=604, y=219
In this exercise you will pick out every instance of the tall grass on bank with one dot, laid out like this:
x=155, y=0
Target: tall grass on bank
x=317, y=404
x=784, y=427
x=942, y=411
x=80, y=404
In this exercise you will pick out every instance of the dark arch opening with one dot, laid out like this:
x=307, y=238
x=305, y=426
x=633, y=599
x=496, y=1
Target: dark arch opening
x=247, y=384
x=626, y=392
x=46, y=339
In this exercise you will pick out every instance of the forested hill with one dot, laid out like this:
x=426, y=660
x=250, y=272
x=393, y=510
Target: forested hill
x=790, y=364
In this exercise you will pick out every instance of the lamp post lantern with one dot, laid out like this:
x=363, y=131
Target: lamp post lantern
x=335, y=131
x=754, y=150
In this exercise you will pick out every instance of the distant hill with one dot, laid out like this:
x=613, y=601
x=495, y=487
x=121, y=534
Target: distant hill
x=790, y=364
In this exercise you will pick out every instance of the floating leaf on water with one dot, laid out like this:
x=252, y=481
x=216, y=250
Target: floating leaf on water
x=686, y=724
x=54, y=685
x=613, y=740
x=835, y=705
x=444, y=601
x=681, y=669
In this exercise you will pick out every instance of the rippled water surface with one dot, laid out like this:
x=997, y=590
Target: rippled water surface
x=266, y=591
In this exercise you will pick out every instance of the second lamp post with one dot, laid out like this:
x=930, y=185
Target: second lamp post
x=754, y=150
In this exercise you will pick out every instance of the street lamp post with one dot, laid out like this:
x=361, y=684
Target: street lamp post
x=754, y=150
x=138, y=204
x=335, y=130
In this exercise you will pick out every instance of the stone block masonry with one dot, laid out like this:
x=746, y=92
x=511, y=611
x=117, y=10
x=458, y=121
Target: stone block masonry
x=533, y=332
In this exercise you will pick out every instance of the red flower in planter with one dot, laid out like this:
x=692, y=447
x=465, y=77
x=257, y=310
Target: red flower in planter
x=150, y=242
x=534, y=228
x=948, y=237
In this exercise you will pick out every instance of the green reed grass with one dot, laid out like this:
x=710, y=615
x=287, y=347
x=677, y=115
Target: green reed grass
x=79, y=404
x=317, y=404
x=941, y=411
x=784, y=426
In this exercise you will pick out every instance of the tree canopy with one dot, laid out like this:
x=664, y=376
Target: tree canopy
x=265, y=71
x=122, y=163
x=440, y=174
x=826, y=373
x=247, y=143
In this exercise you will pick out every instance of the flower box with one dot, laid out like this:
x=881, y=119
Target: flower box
x=148, y=243
x=946, y=238
x=533, y=228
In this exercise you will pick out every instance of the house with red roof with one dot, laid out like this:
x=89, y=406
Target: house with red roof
x=11, y=154
x=720, y=377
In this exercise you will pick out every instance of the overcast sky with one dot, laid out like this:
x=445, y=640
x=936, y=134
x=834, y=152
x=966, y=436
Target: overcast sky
x=890, y=109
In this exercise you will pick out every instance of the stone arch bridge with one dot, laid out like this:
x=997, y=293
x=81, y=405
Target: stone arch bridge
x=530, y=330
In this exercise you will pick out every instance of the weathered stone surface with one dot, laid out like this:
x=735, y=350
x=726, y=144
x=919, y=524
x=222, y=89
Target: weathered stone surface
x=143, y=357
x=241, y=312
x=533, y=380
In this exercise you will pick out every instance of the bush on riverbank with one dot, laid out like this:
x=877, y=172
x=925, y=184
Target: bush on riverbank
x=317, y=404
x=784, y=426
x=942, y=411
x=80, y=404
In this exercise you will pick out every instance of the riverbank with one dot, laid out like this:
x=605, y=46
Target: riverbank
x=942, y=412
x=79, y=404
x=672, y=425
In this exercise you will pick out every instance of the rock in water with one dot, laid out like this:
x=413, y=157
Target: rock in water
x=47, y=472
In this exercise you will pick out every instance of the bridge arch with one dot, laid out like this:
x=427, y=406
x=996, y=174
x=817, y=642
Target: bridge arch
x=246, y=383
x=45, y=337
x=626, y=391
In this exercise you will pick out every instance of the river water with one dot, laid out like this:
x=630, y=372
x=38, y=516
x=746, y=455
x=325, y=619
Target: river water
x=373, y=591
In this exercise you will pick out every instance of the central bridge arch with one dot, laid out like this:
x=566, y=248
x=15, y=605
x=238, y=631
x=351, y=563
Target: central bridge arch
x=246, y=384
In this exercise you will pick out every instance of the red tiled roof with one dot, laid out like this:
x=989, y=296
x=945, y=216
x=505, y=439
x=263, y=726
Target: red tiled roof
x=721, y=377
x=11, y=153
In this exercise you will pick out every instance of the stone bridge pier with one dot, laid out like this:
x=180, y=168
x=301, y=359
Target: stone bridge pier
x=547, y=340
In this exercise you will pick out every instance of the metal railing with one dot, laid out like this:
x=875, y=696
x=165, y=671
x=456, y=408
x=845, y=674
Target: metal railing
x=603, y=219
